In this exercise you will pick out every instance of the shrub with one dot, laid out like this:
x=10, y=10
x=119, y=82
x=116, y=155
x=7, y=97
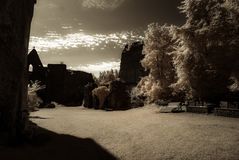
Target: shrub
x=33, y=100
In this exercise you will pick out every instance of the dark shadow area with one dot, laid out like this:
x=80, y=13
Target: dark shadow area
x=47, y=145
x=37, y=117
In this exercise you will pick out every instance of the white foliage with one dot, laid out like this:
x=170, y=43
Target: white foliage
x=101, y=93
x=148, y=87
x=158, y=46
x=208, y=44
x=235, y=85
x=204, y=52
x=33, y=100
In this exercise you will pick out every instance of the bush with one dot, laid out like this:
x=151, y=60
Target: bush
x=33, y=100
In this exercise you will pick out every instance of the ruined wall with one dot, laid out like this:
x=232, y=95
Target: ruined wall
x=131, y=69
x=15, y=20
x=119, y=98
x=62, y=85
x=75, y=83
x=66, y=86
x=34, y=60
x=55, y=82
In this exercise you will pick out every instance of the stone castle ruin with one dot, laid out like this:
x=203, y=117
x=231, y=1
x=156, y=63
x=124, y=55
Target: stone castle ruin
x=130, y=74
x=131, y=69
x=71, y=88
x=62, y=85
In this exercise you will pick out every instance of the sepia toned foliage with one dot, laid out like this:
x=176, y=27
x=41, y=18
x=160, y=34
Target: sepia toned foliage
x=101, y=93
x=33, y=100
x=107, y=76
x=200, y=59
x=158, y=45
x=207, y=54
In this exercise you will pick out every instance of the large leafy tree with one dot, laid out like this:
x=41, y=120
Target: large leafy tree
x=208, y=54
x=158, y=45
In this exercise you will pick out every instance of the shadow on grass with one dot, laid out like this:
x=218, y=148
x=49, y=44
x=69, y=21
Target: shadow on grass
x=37, y=117
x=47, y=145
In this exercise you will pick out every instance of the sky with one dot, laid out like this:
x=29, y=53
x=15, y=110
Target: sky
x=90, y=35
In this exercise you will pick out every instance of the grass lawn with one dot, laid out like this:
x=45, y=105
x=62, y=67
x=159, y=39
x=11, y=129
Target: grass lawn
x=137, y=134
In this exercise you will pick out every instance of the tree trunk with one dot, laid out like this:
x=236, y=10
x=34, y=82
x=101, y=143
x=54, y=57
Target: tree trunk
x=15, y=20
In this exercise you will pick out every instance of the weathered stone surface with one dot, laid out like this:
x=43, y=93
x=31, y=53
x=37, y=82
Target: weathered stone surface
x=131, y=69
x=15, y=20
x=95, y=102
x=55, y=83
x=88, y=97
x=34, y=60
x=38, y=73
x=119, y=98
x=62, y=85
x=74, y=85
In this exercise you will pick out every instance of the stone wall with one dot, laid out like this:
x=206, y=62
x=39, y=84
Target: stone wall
x=15, y=20
x=131, y=69
x=88, y=97
x=119, y=98
x=74, y=86
x=62, y=85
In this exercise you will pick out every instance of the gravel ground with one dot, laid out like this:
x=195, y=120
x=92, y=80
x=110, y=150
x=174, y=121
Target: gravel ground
x=146, y=134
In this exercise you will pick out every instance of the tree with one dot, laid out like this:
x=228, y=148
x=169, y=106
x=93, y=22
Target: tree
x=208, y=52
x=158, y=45
x=108, y=76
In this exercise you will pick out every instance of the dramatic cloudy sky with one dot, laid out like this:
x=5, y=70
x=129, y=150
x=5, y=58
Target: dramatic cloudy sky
x=90, y=34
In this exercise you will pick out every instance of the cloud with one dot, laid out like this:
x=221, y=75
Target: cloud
x=54, y=41
x=102, y=4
